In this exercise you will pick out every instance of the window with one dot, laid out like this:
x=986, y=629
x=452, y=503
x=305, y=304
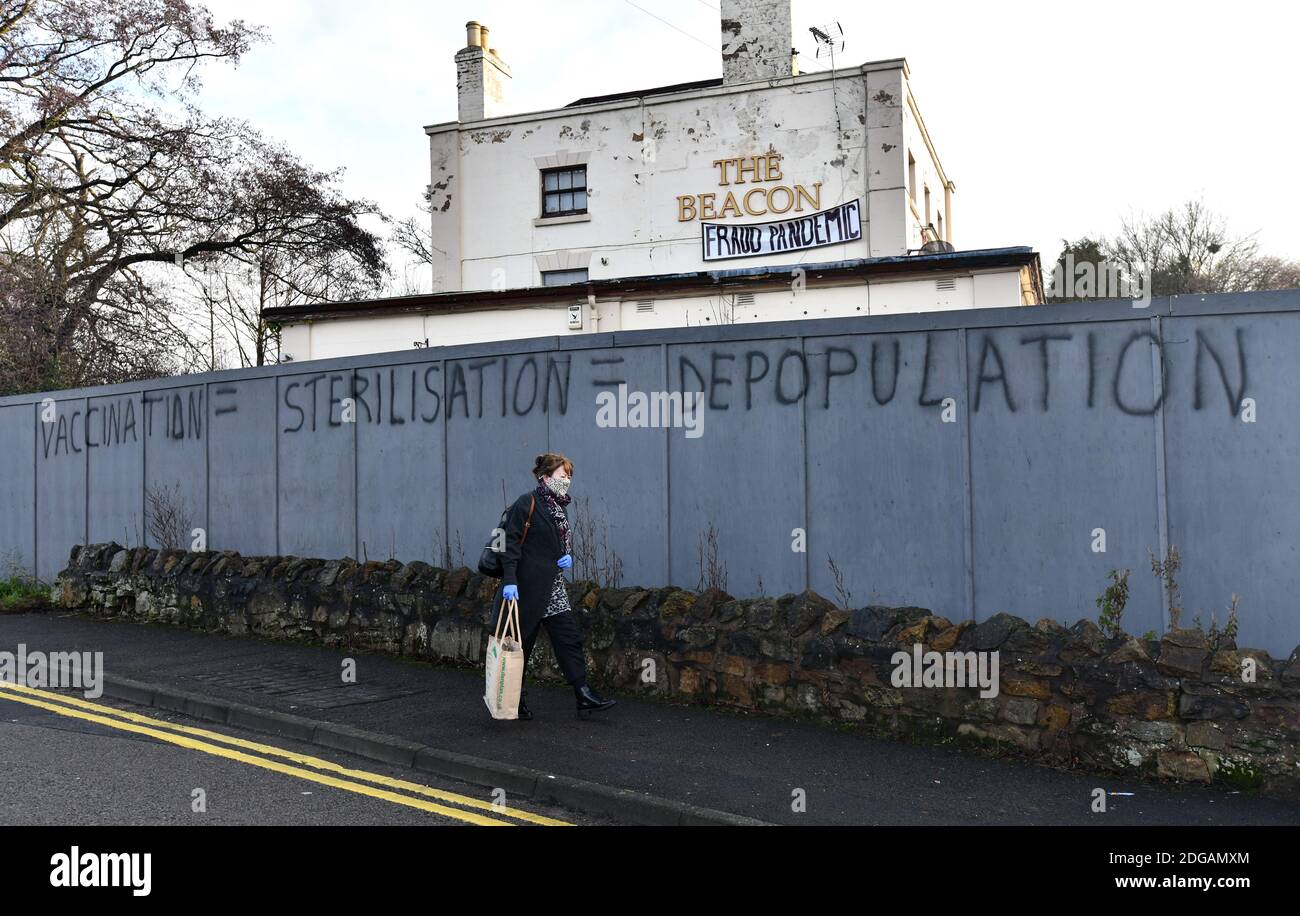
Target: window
x=911, y=177
x=927, y=206
x=563, y=277
x=942, y=237
x=564, y=191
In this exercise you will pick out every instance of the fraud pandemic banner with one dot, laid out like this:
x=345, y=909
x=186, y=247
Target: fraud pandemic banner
x=828, y=227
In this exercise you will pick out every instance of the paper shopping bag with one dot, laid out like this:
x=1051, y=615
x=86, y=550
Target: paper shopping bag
x=505, y=664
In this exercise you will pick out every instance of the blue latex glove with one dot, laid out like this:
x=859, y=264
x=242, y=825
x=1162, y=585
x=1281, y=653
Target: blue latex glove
x=564, y=562
x=510, y=592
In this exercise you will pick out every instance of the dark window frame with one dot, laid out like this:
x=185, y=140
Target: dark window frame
x=559, y=191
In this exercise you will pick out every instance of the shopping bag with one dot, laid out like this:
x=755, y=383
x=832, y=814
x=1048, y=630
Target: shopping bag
x=505, y=664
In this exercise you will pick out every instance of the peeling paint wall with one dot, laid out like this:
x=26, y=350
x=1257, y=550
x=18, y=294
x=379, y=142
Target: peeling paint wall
x=895, y=137
x=756, y=40
x=640, y=156
x=445, y=200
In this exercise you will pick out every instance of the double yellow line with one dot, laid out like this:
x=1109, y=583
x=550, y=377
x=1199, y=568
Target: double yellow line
x=354, y=781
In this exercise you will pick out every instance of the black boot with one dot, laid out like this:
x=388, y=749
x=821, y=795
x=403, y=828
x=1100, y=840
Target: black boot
x=589, y=700
x=524, y=711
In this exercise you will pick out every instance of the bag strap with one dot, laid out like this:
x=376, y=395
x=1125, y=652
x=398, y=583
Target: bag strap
x=528, y=524
x=510, y=618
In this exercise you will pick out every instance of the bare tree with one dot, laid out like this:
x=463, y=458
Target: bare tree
x=415, y=236
x=713, y=569
x=594, y=559
x=167, y=516
x=110, y=178
x=233, y=293
x=1190, y=249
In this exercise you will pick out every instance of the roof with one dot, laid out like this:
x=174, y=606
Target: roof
x=636, y=94
x=659, y=284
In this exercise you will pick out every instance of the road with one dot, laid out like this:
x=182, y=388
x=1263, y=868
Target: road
x=108, y=762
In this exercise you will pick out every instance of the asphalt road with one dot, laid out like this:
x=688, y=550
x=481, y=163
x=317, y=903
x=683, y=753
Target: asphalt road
x=60, y=768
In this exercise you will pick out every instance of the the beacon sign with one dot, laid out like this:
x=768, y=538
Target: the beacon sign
x=767, y=196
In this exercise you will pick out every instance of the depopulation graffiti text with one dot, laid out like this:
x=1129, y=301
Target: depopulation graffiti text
x=896, y=370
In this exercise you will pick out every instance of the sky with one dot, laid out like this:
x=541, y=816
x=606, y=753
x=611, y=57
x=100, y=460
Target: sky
x=1053, y=124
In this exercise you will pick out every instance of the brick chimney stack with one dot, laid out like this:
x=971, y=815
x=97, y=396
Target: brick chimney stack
x=481, y=77
x=757, y=40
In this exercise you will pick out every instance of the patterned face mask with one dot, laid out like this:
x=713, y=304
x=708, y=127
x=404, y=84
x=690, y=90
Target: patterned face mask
x=558, y=485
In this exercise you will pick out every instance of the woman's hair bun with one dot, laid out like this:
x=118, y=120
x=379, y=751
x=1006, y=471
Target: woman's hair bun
x=547, y=462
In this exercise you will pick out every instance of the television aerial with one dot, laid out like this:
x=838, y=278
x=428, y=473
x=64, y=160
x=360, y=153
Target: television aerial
x=830, y=40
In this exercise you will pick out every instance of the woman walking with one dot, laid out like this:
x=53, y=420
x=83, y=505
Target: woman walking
x=537, y=551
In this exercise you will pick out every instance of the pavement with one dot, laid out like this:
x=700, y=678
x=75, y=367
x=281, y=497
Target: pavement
x=642, y=762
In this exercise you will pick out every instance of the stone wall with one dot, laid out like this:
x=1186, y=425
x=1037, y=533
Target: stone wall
x=1175, y=708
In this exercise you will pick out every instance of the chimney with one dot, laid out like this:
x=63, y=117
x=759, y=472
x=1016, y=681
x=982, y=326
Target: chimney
x=481, y=77
x=756, y=40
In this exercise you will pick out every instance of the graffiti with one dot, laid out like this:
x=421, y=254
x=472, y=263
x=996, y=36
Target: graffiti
x=223, y=392
x=990, y=349
x=1034, y=371
x=789, y=376
x=181, y=413
x=1235, y=396
x=108, y=423
x=399, y=396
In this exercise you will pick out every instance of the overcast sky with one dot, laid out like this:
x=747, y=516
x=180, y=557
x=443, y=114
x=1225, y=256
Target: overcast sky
x=1053, y=124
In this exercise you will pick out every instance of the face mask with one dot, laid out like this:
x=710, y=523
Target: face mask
x=558, y=485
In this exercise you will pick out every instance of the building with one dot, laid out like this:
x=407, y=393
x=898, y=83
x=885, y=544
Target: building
x=760, y=195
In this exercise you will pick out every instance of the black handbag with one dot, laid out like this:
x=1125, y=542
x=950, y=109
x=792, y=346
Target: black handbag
x=489, y=561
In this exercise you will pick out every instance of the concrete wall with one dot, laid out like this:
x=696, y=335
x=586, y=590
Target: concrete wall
x=1060, y=426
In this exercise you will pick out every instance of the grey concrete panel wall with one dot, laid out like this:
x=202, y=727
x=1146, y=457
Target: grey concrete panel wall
x=242, y=466
x=495, y=410
x=175, y=459
x=316, y=455
x=1065, y=422
x=1057, y=463
x=400, y=467
x=1234, y=490
x=115, y=452
x=60, y=483
x=745, y=475
x=895, y=528
x=17, y=490
x=618, y=490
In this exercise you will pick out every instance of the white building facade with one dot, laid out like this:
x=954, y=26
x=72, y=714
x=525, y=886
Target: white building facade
x=724, y=200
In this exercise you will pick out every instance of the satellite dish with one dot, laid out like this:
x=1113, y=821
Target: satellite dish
x=938, y=246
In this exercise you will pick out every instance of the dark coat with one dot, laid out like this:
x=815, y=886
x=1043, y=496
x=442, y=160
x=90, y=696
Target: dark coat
x=533, y=569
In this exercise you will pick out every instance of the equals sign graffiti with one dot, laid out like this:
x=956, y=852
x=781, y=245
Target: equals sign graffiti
x=607, y=361
x=228, y=408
